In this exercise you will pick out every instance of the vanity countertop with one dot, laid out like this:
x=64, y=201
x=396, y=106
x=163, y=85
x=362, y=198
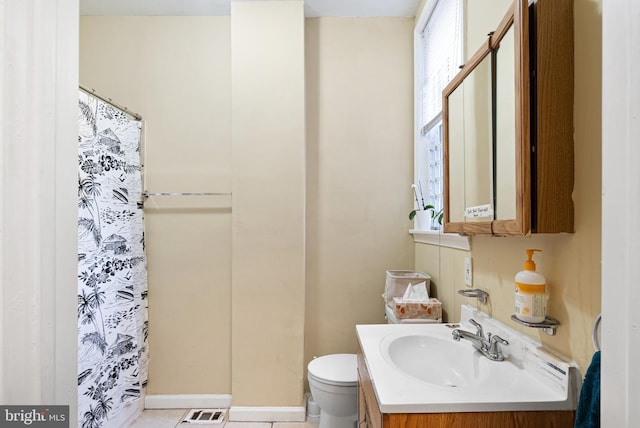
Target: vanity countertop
x=530, y=377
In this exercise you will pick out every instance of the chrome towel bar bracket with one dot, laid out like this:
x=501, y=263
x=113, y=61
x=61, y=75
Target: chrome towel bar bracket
x=481, y=295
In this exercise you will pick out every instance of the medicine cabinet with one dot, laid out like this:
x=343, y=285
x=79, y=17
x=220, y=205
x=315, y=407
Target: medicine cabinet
x=508, y=127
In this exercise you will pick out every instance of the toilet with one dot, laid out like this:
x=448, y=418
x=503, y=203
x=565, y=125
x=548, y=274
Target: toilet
x=333, y=380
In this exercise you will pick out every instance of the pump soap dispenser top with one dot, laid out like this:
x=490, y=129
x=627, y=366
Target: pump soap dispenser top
x=530, y=298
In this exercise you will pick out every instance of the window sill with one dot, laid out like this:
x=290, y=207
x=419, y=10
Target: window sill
x=437, y=237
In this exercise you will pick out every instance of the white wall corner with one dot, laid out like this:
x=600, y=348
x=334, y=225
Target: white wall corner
x=620, y=205
x=38, y=118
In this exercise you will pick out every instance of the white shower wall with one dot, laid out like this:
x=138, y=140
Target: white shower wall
x=38, y=208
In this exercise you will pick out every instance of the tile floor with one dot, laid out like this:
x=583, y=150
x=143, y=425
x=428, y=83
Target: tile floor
x=171, y=418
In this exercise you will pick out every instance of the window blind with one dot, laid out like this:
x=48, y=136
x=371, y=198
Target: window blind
x=442, y=44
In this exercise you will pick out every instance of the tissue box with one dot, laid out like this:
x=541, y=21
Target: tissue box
x=398, y=280
x=430, y=310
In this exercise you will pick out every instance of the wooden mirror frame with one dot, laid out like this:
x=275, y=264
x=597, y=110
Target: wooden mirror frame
x=518, y=16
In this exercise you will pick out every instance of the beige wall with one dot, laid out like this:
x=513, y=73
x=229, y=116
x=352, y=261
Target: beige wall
x=570, y=262
x=359, y=171
x=481, y=17
x=268, y=111
x=358, y=165
x=175, y=71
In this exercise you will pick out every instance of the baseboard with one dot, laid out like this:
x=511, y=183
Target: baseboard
x=267, y=414
x=188, y=401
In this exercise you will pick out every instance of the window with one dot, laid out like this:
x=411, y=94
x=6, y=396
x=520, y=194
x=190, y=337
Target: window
x=438, y=56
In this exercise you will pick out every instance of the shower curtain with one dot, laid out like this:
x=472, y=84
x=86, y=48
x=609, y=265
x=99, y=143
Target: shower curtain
x=112, y=276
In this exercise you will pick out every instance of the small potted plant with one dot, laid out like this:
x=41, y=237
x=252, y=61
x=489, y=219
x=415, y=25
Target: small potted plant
x=426, y=213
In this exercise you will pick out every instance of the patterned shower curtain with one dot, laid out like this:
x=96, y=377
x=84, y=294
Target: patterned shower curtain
x=112, y=276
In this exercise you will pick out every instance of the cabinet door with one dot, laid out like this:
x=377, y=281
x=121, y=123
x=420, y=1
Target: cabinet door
x=368, y=410
x=532, y=419
x=476, y=191
x=362, y=406
x=533, y=159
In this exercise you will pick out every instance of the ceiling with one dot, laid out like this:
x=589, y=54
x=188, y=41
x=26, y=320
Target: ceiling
x=312, y=8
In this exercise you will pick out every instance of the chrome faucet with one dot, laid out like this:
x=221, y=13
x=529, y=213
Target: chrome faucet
x=487, y=346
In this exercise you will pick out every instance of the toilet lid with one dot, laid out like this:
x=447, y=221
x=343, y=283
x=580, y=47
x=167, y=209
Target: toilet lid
x=337, y=369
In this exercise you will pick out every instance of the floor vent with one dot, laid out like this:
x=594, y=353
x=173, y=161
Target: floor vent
x=204, y=416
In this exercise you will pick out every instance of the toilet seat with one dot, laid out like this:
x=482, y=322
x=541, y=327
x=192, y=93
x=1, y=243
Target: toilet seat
x=335, y=369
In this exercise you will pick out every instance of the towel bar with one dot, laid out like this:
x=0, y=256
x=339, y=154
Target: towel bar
x=595, y=332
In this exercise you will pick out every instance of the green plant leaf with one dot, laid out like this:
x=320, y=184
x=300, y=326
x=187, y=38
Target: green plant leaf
x=412, y=214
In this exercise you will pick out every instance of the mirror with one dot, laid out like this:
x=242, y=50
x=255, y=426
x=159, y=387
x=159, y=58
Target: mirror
x=480, y=140
x=530, y=169
x=478, y=186
x=470, y=146
x=505, y=128
x=456, y=145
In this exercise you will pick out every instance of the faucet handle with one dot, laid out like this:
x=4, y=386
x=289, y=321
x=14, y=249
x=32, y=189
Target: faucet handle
x=478, y=326
x=494, y=339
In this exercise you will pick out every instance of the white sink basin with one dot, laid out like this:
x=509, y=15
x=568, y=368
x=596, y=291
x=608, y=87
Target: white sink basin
x=419, y=368
x=437, y=361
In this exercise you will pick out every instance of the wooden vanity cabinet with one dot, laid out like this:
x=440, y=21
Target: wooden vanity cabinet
x=369, y=415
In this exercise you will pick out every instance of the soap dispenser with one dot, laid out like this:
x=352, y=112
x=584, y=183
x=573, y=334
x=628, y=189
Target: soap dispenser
x=530, y=299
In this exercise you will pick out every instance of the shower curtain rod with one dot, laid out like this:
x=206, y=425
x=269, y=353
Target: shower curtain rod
x=146, y=194
x=107, y=100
